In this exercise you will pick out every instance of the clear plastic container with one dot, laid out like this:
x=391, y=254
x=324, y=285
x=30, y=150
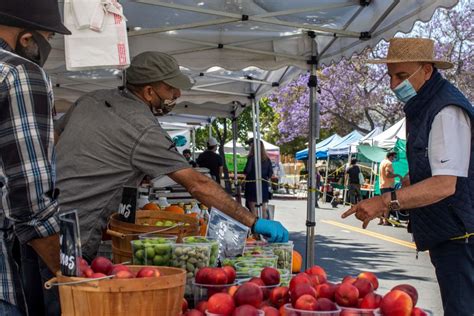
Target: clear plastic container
x=191, y=257
x=290, y=311
x=378, y=312
x=202, y=292
x=214, y=246
x=284, y=251
x=152, y=250
x=256, y=250
x=260, y=313
x=359, y=311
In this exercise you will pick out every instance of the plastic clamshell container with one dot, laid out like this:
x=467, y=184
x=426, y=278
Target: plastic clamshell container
x=212, y=241
x=152, y=251
x=202, y=292
x=290, y=311
x=190, y=257
x=260, y=313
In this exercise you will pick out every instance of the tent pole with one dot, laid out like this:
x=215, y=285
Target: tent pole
x=313, y=135
x=326, y=177
x=234, y=153
x=193, y=139
x=257, y=155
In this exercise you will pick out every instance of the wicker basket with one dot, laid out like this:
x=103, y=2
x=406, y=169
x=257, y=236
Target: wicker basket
x=123, y=297
x=123, y=233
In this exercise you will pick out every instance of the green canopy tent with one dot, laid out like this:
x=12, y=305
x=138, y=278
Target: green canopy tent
x=366, y=153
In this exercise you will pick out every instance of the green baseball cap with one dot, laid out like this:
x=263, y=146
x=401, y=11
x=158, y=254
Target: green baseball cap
x=151, y=67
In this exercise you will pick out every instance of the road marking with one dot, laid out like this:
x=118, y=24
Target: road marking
x=372, y=234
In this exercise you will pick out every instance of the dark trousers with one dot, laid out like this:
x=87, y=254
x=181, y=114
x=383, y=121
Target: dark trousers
x=34, y=274
x=454, y=264
x=354, y=193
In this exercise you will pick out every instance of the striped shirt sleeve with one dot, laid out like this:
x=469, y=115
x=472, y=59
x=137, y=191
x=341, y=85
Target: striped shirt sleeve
x=27, y=168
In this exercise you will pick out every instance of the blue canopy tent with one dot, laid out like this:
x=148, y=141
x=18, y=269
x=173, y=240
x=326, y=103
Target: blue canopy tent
x=343, y=147
x=321, y=148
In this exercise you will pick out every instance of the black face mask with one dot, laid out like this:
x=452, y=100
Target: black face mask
x=37, y=52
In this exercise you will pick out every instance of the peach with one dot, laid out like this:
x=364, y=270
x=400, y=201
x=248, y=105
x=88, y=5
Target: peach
x=325, y=304
x=202, y=275
x=118, y=267
x=270, y=276
x=371, y=301
x=270, y=311
x=364, y=286
x=248, y=293
x=299, y=279
x=97, y=275
x=217, y=276
x=202, y=306
x=101, y=265
x=371, y=277
x=124, y=274
x=279, y=296
x=184, y=306
x=302, y=289
x=148, y=272
x=245, y=310
x=306, y=302
x=347, y=295
x=326, y=290
x=232, y=290
x=221, y=303
x=230, y=272
x=88, y=272
x=396, y=303
x=410, y=290
x=319, y=272
x=257, y=281
x=418, y=312
x=349, y=279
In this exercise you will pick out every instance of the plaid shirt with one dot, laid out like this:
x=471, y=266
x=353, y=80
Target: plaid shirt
x=28, y=207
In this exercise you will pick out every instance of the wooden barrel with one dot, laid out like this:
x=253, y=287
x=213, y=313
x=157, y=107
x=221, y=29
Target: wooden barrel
x=123, y=233
x=123, y=297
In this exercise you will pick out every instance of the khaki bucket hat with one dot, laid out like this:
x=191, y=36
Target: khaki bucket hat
x=407, y=50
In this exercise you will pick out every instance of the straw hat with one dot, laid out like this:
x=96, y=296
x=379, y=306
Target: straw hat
x=407, y=50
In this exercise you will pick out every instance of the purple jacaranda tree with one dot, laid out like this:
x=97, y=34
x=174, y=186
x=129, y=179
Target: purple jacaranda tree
x=356, y=95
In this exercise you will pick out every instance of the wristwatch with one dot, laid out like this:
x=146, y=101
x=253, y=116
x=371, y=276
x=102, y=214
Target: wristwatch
x=394, y=205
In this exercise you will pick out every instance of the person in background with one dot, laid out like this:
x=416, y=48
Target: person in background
x=28, y=197
x=211, y=160
x=387, y=181
x=251, y=184
x=123, y=142
x=188, y=155
x=352, y=178
x=438, y=192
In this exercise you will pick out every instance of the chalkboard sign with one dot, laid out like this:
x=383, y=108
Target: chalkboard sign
x=128, y=206
x=230, y=233
x=70, y=243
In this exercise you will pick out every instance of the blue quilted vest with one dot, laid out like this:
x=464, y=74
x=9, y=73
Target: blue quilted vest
x=454, y=215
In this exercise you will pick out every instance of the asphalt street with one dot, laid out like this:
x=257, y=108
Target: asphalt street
x=343, y=248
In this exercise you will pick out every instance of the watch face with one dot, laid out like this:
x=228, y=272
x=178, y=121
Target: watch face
x=394, y=205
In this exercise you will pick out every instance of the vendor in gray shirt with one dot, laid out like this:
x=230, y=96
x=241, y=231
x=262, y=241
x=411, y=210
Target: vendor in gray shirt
x=112, y=138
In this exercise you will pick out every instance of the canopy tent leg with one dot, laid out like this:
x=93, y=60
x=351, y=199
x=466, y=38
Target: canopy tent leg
x=344, y=191
x=313, y=136
x=326, y=178
x=257, y=155
x=193, y=140
x=234, y=153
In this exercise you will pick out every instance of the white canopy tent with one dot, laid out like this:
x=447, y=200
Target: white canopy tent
x=376, y=131
x=241, y=148
x=283, y=38
x=388, y=138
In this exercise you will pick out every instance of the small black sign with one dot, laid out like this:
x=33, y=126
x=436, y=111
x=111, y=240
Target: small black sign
x=128, y=206
x=70, y=243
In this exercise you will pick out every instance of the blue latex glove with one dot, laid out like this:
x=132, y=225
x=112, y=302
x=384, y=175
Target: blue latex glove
x=272, y=229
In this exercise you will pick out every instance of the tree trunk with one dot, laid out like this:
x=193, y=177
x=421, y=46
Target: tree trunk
x=222, y=139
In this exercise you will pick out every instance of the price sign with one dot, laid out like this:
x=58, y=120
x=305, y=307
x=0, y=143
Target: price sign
x=230, y=233
x=128, y=206
x=70, y=243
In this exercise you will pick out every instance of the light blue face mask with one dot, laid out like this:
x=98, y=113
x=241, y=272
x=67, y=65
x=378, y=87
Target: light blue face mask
x=405, y=91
